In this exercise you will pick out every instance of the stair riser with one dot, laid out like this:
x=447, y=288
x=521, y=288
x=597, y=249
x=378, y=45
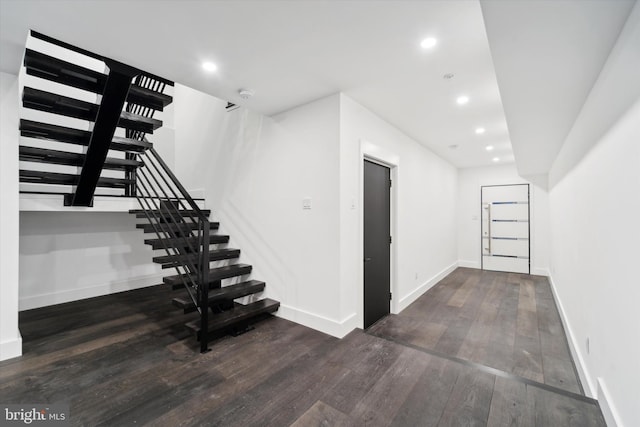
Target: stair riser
x=54, y=69
x=31, y=129
x=229, y=323
x=173, y=264
x=69, y=107
x=213, y=241
x=190, y=308
x=28, y=154
x=213, y=278
x=35, y=177
x=166, y=228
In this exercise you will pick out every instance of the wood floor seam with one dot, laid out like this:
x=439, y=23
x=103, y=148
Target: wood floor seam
x=491, y=370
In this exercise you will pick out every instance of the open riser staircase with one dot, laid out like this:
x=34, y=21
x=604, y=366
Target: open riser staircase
x=113, y=153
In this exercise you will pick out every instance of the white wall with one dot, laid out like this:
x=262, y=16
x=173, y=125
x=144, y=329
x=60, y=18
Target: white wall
x=255, y=171
x=66, y=256
x=595, y=213
x=469, y=223
x=424, y=195
x=595, y=229
x=10, y=339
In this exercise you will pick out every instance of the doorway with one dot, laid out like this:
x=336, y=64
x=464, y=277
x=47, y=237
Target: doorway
x=505, y=228
x=377, y=241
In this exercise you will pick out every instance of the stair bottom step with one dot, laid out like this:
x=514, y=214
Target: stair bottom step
x=240, y=313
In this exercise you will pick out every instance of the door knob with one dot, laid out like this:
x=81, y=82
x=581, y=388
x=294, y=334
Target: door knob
x=367, y=259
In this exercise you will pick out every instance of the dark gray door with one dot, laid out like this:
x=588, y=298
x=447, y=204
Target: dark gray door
x=377, y=241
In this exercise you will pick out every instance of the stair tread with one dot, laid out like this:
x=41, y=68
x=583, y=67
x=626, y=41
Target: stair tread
x=63, y=105
x=45, y=155
x=229, y=292
x=33, y=129
x=139, y=213
x=214, y=255
x=172, y=226
x=180, y=241
x=237, y=314
x=54, y=69
x=40, y=177
x=215, y=274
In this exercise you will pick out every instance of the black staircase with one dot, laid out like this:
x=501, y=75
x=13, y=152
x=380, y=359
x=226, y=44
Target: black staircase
x=129, y=99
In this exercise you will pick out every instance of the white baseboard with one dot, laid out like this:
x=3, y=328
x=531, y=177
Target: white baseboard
x=540, y=272
x=52, y=298
x=405, y=301
x=589, y=388
x=469, y=264
x=315, y=321
x=611, y=417
x=10, y=349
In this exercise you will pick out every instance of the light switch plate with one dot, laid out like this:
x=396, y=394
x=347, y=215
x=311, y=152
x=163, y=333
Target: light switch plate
x=306, y=203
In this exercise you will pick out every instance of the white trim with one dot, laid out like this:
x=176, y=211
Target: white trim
x=581, y=366
x=11, y=349
x=469, y=264
x=417, y=293
x=55, y=203
x=43, y=300
x=609, y=412
x=540, y=272
x=320, y=323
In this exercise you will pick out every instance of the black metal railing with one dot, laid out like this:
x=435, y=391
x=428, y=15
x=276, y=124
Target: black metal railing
x=164, y=202
x=155, y=85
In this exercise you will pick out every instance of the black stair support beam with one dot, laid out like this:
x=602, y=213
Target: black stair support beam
x=114, y=96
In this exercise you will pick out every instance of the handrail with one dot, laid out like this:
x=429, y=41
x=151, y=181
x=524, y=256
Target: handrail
x=158, y=184
x=180, y=187
x=158, y=178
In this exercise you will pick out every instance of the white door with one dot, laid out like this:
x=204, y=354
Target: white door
x=505, y=228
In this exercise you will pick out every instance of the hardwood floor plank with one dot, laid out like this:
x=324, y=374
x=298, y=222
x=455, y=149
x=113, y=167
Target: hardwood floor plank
x=509, y=405
x=552, y=409
x=470, y=400
x=381, y=404
x=366, y=360
x=527, y=359
x=427, y=400
x=559, y=372
x=459, y=298
x=321, y=415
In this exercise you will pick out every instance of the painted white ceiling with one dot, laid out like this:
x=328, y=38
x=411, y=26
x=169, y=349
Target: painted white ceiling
x=547, y=56
x=293, y=52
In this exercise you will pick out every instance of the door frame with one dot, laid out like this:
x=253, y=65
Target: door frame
x=528, y=223
x=377, y=154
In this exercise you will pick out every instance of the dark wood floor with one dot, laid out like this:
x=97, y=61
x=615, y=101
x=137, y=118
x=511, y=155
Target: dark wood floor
x=505, y=321
x=125, y=359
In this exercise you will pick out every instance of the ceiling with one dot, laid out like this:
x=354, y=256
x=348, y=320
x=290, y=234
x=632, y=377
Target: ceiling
x=290, y=53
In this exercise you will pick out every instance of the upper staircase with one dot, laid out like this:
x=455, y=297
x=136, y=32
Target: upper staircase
x=112, y=156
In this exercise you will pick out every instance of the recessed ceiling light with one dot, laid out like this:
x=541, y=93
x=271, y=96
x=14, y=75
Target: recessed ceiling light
x=480, y=131
x=461, y=100
x=428, y=43
x=496, y=159
x=489, y=147
x=209, y=66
